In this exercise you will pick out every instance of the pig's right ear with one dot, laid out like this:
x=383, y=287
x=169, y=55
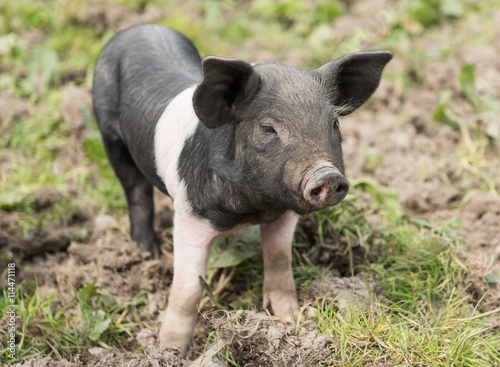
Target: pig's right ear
x=224, y=84
x=353, y=78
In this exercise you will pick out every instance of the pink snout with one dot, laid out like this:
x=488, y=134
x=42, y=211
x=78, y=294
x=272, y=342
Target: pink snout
x=325, y=186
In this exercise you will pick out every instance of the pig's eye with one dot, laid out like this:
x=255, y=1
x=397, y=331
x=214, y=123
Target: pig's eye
x=267, y=129
x=336, y=123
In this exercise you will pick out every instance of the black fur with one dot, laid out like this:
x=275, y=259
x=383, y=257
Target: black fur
x=137, y=74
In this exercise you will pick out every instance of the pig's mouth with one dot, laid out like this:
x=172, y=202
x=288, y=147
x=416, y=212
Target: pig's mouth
x=322, y=187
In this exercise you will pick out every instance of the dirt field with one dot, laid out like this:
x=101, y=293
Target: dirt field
x=413, y=155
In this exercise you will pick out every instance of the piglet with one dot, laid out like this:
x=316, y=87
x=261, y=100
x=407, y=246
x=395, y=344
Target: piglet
x=233, y=144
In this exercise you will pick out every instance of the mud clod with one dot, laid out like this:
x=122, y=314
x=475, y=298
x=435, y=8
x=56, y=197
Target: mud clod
x=257, y=339
x=485, y=297
x=45, y=198
x=76, y=100
x=355, y=291
x=104, y=222
x=151, y=357
x=40, y=242
x=12, y=108
x=146, y=337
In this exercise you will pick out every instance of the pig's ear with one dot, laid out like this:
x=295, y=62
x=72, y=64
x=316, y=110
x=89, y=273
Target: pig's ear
x=224, y=84
x=353, y=78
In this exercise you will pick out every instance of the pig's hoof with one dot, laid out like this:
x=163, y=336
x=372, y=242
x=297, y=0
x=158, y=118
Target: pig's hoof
x=151, y=248
x=171, y=338
x=284, y=304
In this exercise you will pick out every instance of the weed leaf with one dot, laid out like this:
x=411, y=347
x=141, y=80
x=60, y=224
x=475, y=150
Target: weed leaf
x=382, y=194
x=86, y=293
x=94, y=321
x=440, y=114
x=244, y=248
x=42, y=65
x=467, y=79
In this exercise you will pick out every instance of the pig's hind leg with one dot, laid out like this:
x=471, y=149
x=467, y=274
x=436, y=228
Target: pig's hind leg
x=279, y=286
x=139, y=193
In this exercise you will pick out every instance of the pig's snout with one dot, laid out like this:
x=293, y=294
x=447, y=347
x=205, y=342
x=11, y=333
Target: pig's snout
x=325, y=186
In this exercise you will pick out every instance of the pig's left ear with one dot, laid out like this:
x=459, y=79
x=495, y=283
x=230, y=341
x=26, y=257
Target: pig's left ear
x=225, y=83
x=353, y=78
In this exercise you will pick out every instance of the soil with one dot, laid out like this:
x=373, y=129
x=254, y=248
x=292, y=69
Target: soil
x=257, y=339
x=419, y=161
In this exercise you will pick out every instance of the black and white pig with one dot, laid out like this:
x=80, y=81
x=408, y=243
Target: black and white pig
x=233, y=144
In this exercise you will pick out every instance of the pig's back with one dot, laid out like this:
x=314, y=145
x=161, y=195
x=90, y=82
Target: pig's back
x=137, y=74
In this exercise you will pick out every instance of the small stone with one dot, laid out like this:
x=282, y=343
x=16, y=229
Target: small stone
x=104, y=222
x=99, y=352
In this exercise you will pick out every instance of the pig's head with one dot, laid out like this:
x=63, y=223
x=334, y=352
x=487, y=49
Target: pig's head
x=285, y=123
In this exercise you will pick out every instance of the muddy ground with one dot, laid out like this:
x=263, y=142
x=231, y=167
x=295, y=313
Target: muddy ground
x=116, y=264
x=418, y=162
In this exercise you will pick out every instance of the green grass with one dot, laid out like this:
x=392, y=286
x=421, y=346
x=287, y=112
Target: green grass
x=51, y=325
x=386, y=333
x=426, y=316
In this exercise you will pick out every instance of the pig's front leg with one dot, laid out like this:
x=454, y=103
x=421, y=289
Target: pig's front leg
x=279, y=286
x=192, y=242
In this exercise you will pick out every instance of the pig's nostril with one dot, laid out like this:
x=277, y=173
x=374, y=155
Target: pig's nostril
x=320, y=193
x=316, y=191
x=342, y=188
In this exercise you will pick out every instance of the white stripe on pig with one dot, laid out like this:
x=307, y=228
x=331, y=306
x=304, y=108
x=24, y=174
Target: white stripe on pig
x=177, y=124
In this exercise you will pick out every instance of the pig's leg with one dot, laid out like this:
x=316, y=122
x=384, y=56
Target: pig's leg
x=139, y=193
x=192, y=242
x=279, y=286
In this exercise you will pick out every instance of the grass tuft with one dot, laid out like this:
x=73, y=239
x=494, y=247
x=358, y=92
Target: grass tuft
x=50, y=325
x=394, y=336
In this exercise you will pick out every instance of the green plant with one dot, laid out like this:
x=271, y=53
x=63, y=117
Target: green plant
x=430, y=12
x=50, y=324
x=478, y=131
